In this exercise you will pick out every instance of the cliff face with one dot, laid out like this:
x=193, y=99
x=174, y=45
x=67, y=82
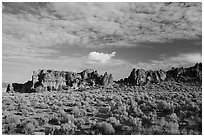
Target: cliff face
x=141, y=77
x=58, y=80
x=186, y=74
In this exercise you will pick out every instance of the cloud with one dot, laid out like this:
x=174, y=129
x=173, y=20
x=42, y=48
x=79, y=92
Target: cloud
x=96, y=25
x=34, y=34
x=97, y=57
x=12, y=67
x=181, y=59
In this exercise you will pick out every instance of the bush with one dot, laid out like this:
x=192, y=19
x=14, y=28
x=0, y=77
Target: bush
x=112, y=120
x=9, y=128
x=28, y=128
x=68, y=128
x=105, y=128
x=12, y=119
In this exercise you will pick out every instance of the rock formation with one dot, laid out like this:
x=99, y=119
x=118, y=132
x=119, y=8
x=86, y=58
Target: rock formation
x=141, y=77
x=14, y=87
x=57, y=80
x=186, y=74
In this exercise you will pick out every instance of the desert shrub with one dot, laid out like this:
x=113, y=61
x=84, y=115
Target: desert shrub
x=68, y=128
x=9, y=128
x=166, y=127
x=184, y=132
x=43, y=120
x=78, y=112
x=79, y=122
x=43, y=105
x=112, y=120
x=11, y=107
x=7, y=101
x=54, y=107
x=64, y=117
x=28, y=128
x=10, y=124
x=53, y=130
x=172, y=118
x=192, y=132
x=12, y=119
x=105, y=128
x=24, y=112
x=54, y=121
x=136, y=123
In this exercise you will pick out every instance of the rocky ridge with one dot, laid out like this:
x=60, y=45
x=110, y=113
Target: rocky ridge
x=58, y=80
x=141, y=77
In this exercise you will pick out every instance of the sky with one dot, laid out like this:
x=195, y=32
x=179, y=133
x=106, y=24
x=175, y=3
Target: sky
x=107, y=37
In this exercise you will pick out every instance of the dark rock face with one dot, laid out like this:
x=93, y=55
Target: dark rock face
x=186, y=74
x=14, y=87
x=137, y=77
x=57, y=80
x=141, y=77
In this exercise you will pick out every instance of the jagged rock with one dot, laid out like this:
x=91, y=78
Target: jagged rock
x=156, y=77
x=86, y=73
x=140, y=76
x=14, y=87
x=110, y=79
x=27, y=87
x=60, y=80
x=186, y=74
x=162, y=75
x=137, y=77
x=105, y=79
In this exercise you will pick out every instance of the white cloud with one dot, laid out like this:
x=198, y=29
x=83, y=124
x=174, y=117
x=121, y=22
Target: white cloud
x=97, y=57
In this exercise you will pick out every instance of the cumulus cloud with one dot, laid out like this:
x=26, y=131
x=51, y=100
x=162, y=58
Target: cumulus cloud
x=97, y=57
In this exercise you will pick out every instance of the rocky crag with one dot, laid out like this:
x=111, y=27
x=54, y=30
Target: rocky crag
x=58, y=80
x=142, y=77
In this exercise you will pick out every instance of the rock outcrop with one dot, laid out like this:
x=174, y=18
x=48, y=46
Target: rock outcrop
x=186, y=74
x=14, y=87
x=142, y=77
x=57, y=80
